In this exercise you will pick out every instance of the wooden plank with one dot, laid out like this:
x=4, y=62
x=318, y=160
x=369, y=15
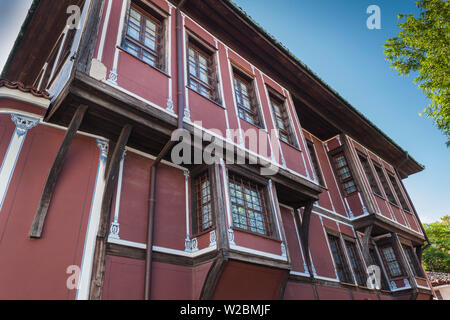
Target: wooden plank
x=124, y=251
x=52, y=178
x=98, y=272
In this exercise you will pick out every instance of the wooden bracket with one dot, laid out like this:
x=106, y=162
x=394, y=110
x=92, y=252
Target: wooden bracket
x=52, y=178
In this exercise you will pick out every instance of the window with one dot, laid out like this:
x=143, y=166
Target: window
x=315, y=162
x=344, y=174
x=398, y=192
x=391, y=262
x=356, y=263
x=412, y=260
x=202, y=71
x=248, y=206
x=339, y=259
x=144, y=37
x=204, y=203
x=246, y=99
x=369, y=174
x=282, y=120
x=385, y=184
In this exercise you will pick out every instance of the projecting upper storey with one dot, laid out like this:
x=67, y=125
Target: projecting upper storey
x=123, y=62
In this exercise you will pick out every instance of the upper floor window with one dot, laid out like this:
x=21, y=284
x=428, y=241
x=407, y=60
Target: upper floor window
x=343, y=272
x=248, y=206
x=356, y=263
x=282, y=120
x=315, y=162
x=202, y=71
x=144, y=37
x=398, y=192
x=369, y=174
x=204, y=203
x=344, y=174
x=390, y=259
x=413, y=262
x=246, y=99
x=385, y=184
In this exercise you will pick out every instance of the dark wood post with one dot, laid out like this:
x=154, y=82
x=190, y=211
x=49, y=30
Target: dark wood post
x=52, y=178
x=112, y=171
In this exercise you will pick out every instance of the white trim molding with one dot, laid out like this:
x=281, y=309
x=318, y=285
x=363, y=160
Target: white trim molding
x=23, y=124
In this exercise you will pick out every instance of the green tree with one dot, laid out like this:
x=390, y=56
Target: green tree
x=436, y=258
x=423, y=47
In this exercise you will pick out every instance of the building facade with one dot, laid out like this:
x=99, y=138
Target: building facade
x=95, y=204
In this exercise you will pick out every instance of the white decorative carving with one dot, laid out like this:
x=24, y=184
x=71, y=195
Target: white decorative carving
x=23, y=123
x=407, y=284
x=187, y=114
x=194, y=245
x=393, y=285
x=113, y=76
x=212, y=238
x=114, y=231
x=187, y=245
x=170, y=105
x=231, y=236
x=103, y=146
x=283, y=250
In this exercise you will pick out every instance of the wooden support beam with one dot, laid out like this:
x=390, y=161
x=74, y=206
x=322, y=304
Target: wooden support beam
x=303, y=227
x=112, y=172
x=216, y=270
x=52, y=178
x=366, y=241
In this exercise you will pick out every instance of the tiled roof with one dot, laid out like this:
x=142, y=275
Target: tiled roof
x=28, y=89
x=438, y=278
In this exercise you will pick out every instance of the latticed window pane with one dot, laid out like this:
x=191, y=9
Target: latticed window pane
x=399, y=193
x=204, y=203
x=369, y=174
x=144, y=37
x=385, y=184
x=356, y=263
x=391, y=261
x=201, y=72
x=339, y=259
x=247, y=108
x=315, y=162
x=344, y=174
x=248, y=206
x=282, y=121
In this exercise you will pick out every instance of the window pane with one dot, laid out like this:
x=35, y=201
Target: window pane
x=247, y=205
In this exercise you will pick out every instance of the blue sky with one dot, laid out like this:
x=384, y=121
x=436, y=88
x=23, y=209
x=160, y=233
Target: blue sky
x=331, y=37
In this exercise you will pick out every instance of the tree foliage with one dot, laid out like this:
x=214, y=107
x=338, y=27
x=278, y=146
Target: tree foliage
x=423, y=47
x=436, y=258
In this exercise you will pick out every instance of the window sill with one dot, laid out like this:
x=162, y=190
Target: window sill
x=197, y=235
x=209, y=99
x=378, y=195
x=291, y=145
x=252, y=124
x=146, y=63
x=256, y=234
x=395, y=205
